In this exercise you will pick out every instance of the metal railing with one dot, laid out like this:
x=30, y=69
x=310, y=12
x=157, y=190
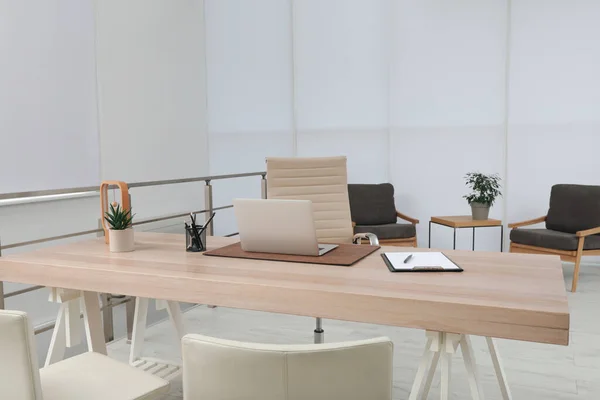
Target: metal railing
x=109, y=301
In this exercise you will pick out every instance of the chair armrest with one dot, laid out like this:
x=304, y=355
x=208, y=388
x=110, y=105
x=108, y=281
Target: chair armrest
x=589, y=232
x=405, y=217
x=373, y=240
x=528, y=222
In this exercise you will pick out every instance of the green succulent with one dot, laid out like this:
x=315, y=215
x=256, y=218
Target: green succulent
x=119, y=219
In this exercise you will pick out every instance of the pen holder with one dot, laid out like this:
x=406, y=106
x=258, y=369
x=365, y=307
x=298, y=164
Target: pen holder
x=191, y=243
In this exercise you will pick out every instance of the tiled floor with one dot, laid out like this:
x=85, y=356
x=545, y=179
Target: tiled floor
x=534, y=371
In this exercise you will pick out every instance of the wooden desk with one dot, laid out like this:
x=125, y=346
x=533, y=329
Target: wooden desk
x=512, y=296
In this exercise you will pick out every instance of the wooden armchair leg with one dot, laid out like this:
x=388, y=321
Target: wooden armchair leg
x=577, y=263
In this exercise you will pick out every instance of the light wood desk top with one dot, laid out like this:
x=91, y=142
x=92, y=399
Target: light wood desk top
x=514, y=296
x=465, y=221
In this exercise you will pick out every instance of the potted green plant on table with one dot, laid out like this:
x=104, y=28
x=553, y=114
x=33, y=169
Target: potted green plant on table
x=484, y=191
x=120, y=234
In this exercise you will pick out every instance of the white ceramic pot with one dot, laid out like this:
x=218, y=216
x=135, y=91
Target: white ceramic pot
x=120, y=241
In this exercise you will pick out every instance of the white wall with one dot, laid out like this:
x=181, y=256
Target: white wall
x=410, y=92
x=150, y=63
x=249, y=70
x=47, y=96
x=341, y=64
x=554, y=118
x=447, y=108
x=152, y=100
x=417, y=93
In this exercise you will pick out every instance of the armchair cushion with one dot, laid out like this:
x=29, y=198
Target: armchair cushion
x=573, y=208
x=388, y=231
x=372, y=204
x=550, y=239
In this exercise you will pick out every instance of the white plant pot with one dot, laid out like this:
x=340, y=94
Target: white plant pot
x=120, y=241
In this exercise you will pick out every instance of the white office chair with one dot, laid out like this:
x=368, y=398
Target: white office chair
x=230, y=370
x=89, y=376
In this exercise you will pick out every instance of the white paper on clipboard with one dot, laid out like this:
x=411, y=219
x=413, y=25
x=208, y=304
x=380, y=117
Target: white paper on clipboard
x=420, y=260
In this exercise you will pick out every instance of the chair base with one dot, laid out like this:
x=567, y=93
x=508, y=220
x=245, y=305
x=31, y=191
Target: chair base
x=319, y=336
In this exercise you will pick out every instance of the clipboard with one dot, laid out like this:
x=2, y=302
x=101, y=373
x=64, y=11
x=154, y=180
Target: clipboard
x=428, y=262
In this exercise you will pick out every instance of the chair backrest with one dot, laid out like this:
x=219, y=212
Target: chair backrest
x=19, y=371
x=228, y=370
x=322, y=180
x=573, y=208
x=372, y=204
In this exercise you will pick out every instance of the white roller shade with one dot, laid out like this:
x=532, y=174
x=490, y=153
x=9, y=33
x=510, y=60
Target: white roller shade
x=48, y=118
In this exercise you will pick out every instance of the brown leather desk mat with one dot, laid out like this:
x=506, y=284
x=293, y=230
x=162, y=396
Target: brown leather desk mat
x=343, y=255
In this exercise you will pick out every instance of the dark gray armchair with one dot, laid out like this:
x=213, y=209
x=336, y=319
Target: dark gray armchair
x=572, y=227
x=373, y=210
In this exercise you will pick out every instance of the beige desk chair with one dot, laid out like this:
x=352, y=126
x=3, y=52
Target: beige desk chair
x=89, y=376
x=230, y=370
x=324, y=181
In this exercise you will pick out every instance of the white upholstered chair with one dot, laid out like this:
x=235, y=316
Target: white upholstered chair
x=229, y=370
x=89, y=376
x=323, y=181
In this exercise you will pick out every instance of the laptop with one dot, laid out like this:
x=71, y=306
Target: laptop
x=278, y=226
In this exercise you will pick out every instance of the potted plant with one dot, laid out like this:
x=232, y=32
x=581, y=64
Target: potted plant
x=484, y=191
x=120, y=234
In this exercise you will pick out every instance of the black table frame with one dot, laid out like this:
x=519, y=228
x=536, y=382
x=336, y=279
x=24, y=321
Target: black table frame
x=469, y=227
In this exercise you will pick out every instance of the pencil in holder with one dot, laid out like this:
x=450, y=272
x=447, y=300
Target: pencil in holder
x=194, y=241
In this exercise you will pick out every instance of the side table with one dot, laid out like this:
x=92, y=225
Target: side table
x=466, y=221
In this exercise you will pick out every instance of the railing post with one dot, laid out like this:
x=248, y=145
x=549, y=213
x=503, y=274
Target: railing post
x=263, y=186
x=130, y=305
x=1, y=284
x=107, y=317
x=107, y=314
x=208, y=205
x=101, y=228
x=130, y=314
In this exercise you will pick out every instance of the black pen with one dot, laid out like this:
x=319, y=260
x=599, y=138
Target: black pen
x=195, y=229
x=209, y=220
x=192, y=230
x=193, y=218
x=407, y=258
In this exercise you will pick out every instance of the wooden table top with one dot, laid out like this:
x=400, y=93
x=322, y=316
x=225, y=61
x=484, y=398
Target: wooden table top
x=464, y=221
x=514, y=296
